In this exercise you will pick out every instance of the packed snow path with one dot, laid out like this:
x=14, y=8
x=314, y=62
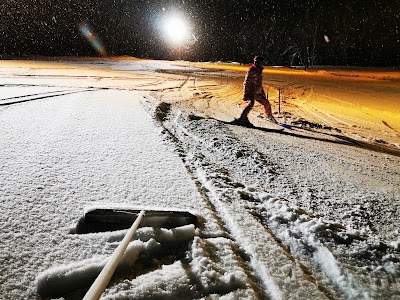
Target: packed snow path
x=60, y=155
x=281, y=216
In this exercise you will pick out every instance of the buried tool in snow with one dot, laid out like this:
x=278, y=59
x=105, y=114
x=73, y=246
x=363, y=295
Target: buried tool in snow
x=101, y=219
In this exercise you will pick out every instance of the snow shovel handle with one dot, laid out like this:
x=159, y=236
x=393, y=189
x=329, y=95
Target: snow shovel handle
x=105, y=275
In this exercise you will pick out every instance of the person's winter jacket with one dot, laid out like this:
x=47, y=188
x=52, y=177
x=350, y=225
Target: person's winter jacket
x=253, y=83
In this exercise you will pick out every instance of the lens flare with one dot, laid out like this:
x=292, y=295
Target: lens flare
x=92, y=38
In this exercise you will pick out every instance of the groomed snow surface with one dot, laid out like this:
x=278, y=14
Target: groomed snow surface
x=281, y=214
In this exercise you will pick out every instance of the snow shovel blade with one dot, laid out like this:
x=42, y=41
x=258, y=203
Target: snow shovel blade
x=103, y=219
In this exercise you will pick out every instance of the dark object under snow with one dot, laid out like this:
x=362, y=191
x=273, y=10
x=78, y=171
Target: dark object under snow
x=105, y=219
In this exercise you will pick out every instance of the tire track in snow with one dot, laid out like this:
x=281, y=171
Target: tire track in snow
x=31, y=95
x=11, y=101
x=151, y=83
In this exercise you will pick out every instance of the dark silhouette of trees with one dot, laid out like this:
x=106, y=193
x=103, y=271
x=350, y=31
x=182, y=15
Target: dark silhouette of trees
x=292, y=32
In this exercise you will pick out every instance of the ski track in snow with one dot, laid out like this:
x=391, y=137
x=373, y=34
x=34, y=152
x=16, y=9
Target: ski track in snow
x=328, y=268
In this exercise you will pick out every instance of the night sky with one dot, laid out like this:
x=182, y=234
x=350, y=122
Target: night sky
x=291, y=32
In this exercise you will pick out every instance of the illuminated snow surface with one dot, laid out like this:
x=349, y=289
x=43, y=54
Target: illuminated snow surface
x=294, y=214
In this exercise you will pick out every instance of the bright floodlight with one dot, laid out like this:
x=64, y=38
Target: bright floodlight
x=176, y=29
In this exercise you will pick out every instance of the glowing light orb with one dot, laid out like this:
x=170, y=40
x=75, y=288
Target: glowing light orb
x=176, y=29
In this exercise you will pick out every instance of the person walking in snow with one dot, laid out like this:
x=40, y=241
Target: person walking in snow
x=253, y=91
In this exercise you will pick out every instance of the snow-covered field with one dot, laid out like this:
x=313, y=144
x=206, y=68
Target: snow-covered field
x=306, y=213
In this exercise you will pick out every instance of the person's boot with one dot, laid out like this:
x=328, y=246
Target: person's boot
x=242, y=121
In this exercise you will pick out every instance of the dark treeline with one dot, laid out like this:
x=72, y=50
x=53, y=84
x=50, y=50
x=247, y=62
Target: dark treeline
x=291, y=32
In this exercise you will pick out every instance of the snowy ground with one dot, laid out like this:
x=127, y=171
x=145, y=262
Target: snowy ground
x=307, y=213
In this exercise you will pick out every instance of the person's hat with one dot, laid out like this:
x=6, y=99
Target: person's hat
x=258, y=58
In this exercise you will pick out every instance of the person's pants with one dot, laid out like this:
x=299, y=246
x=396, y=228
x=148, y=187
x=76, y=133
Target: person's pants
x=260, y=98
